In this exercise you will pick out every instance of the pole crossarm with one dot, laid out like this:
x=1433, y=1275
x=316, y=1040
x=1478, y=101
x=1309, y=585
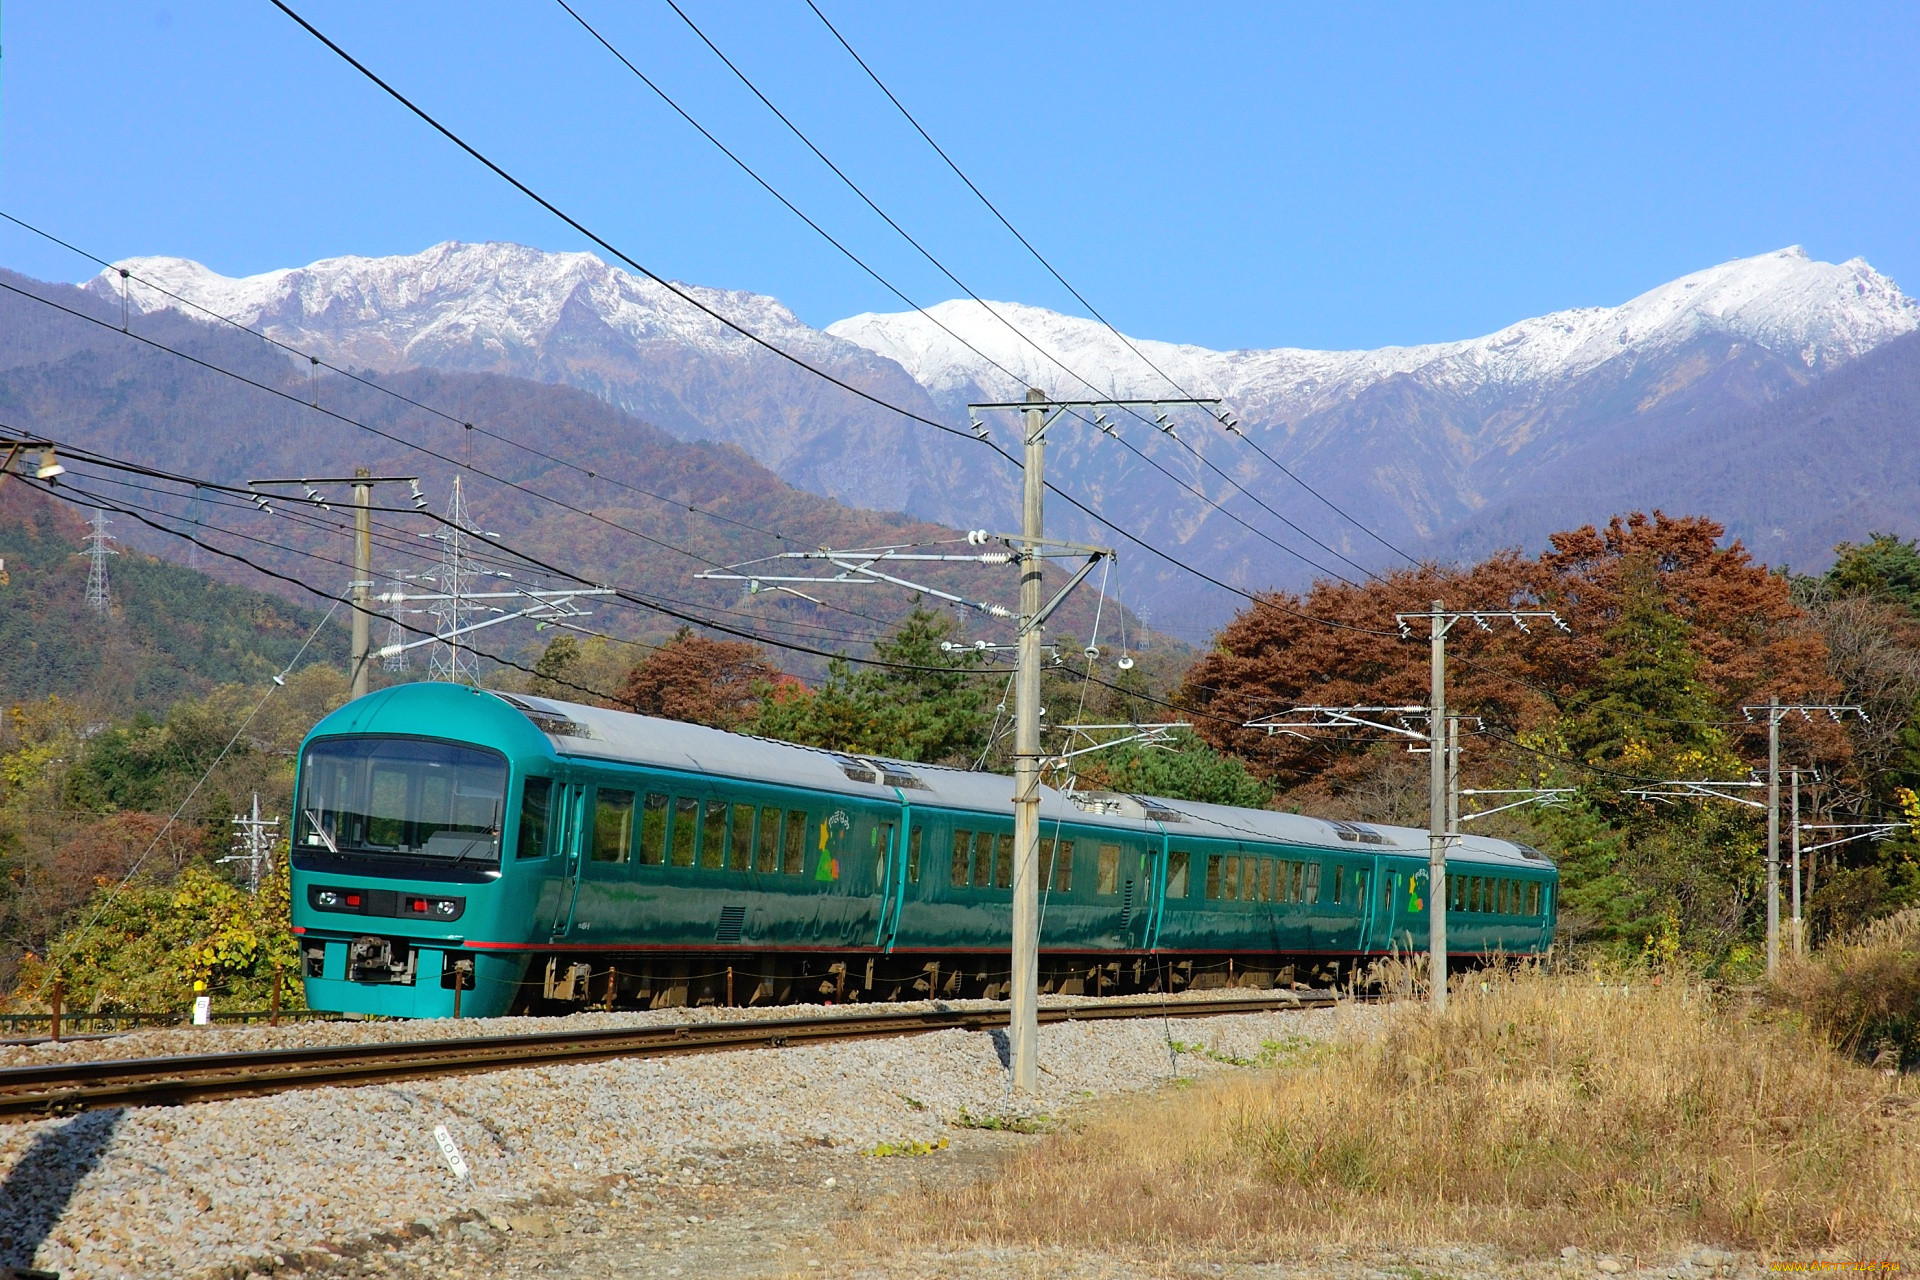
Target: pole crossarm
x=1041, y=412
x=1152, y=735
x=1444, y=620
x=551, y=607
x=1858, y=830
x=1771, y=713
x=1319, y=717
x=1696, y=789
x=857, y=569
x=1543, y=796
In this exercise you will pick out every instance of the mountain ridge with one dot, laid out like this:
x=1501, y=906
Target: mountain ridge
x=1418, y=443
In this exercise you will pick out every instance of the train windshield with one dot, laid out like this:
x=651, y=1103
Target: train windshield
x=401, y=797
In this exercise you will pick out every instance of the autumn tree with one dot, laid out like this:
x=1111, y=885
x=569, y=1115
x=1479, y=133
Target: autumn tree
x=700, y=680
x=1671, y=633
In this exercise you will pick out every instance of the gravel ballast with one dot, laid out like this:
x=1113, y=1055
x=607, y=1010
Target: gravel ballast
x=278, y=1183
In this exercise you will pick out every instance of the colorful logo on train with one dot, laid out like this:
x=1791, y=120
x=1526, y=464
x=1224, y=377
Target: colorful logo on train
x=833, y=843
x=1414, y=901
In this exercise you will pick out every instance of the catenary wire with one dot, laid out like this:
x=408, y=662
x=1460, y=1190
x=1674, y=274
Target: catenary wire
x=1068, y=286
x=968, y=290
x=910, y=415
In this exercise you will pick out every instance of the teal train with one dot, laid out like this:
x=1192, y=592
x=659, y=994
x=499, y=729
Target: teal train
x=514, y=853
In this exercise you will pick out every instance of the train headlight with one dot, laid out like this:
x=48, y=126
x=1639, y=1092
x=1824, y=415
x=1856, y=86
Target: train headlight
x=326, y=898
x=445, y=907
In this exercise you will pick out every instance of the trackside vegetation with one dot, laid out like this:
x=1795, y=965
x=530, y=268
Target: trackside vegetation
x=1628, y=1111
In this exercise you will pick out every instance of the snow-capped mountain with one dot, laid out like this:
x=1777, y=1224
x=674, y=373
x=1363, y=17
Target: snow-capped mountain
x=1434, y=447
x=571, y=318
x=1816, y=313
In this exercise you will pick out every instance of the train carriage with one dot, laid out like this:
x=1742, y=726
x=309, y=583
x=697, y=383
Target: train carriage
x=452, y=844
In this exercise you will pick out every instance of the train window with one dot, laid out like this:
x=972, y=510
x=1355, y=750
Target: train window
x=1178, y=873
x=1386, y=892
x=1108, y=879
x=653, y=829
x=982, y=859
x=767, y=857
x=740, y=839
x=882, y=850
x=1003, y=863
x=1266, y=879
x=1339, y=883
x=796, y=847
x=713, y=836
x=1360, y=888
x=1510, y=897
x=1063, y=865
x=1312, y=883
x=1473, y=893
x=1230, y=881
x=1533, y=898
x=1455, y=889
x=612, y=824
x=536, y=798
x=1213, y=875
x=686, y=827
x=913, y=857
x=962, y=856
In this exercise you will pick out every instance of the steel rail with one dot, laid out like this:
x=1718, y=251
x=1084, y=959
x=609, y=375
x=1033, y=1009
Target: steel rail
x=66, y=1087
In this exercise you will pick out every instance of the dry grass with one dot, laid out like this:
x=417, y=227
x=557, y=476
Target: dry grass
x=1539, y=1111
x=1863, y=994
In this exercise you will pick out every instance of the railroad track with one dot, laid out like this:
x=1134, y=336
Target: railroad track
x=61, y=1088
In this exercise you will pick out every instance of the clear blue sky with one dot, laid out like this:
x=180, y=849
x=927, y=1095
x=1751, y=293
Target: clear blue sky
x=1233, y=175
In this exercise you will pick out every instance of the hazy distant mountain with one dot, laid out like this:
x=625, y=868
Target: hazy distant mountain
x=1438, y=448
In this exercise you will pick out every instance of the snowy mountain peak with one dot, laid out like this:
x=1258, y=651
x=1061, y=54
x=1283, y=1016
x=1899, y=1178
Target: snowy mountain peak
x=468, y=305
x=1817, y=313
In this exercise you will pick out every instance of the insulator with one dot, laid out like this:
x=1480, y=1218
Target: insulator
x=1091, y=652
x=1125, y=664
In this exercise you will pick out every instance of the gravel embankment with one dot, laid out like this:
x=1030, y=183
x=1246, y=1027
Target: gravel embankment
x=164, y=1041
x=221, y=1189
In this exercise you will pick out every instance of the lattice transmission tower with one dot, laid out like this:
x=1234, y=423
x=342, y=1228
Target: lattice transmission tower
x=449, y=660
x=99, y=547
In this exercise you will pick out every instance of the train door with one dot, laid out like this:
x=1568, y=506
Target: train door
x=567, y=821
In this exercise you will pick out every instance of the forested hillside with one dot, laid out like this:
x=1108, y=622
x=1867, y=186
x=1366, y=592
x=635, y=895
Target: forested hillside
x=170, y=631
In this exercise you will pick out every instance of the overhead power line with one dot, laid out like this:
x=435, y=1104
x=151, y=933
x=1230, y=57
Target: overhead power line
x=1080, y=297
x=918, y=308
x=1111, y=393
x=1172, y=560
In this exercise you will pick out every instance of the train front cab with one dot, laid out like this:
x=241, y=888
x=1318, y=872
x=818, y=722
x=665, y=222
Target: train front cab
x=404, y=887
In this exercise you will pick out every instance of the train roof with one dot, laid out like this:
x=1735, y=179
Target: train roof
x=597, y=733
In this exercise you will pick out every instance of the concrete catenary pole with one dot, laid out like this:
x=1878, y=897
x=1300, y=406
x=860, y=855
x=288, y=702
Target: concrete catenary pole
x=1437, y=809
x=1773, y=835
x=1024, y=1020
x=362, y=583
